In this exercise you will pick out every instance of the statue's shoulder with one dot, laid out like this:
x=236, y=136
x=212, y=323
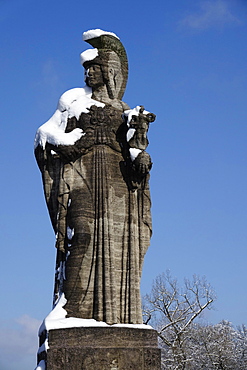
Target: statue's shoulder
x=125, y=106
x=72, y=95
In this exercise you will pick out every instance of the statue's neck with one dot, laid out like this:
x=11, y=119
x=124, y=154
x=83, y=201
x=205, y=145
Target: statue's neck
x=101, y=94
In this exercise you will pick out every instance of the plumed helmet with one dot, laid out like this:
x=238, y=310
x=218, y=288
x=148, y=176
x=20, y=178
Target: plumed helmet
x=110, y=53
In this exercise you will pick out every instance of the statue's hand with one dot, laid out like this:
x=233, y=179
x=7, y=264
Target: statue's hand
x=142, y=163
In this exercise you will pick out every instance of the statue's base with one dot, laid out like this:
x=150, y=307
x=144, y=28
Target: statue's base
x=103, y=348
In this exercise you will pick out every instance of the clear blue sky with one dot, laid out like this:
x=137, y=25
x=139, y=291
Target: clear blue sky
x=188, y=65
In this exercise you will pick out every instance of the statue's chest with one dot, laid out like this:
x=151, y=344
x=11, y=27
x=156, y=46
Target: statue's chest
x=100, y=125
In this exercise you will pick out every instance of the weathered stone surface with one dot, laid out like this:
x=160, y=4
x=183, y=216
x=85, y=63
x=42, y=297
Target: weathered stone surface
x=103, y=348
x=97, y=191
x=95, y=172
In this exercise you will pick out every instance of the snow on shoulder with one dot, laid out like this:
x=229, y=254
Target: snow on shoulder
x=91, y=34
x=71, y=104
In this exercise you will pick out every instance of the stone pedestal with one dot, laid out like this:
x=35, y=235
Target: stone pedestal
x=103, y=348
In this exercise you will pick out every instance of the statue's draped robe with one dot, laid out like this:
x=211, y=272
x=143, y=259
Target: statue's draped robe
x=102, y=221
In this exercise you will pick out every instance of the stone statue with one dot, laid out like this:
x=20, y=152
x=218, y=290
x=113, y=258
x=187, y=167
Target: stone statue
x=95, y=172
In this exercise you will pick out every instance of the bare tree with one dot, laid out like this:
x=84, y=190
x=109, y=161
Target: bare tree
x=174, y=310
x=218, y=347
x=215, y=346
x=186, y=342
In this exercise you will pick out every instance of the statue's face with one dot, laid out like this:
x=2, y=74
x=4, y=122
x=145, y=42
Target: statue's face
x=94, y=76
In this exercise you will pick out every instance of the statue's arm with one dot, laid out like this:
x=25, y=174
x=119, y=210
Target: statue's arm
x=49, y=166
x=67, y=153
x=40, y=157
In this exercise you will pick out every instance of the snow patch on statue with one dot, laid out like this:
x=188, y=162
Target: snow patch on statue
x=71, y=104
x=133, y=112
x=91, y=34
x=56, y=319
x=41, y=365
x=89, y=54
